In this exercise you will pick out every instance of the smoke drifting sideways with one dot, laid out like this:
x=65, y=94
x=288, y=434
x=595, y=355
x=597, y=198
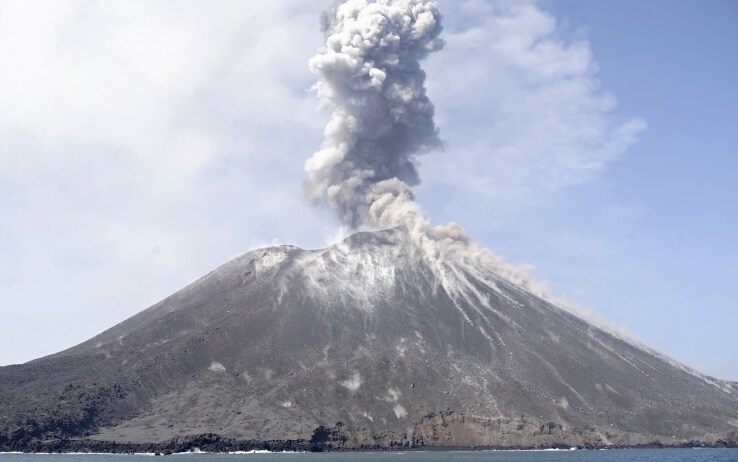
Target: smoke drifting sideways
x=370, y=75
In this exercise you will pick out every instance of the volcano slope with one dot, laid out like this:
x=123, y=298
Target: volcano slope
x=369, y=343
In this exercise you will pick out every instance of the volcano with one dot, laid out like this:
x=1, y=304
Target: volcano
x=374, y=342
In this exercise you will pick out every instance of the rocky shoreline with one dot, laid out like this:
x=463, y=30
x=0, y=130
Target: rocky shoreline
x=212, y=443
x=447, y=430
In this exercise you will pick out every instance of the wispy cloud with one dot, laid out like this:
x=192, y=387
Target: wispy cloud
x=521, y=111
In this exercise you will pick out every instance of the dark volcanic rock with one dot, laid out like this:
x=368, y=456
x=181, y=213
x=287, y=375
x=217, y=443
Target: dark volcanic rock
x=403, y=347
x=192, y=443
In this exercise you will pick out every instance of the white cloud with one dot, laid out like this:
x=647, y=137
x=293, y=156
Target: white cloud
x=520, y=109
x=141, y=144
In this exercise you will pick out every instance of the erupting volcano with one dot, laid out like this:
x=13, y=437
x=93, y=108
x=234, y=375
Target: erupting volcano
x=402, y=335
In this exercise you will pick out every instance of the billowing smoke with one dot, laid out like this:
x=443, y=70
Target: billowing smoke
x=382, y=119
x=370, y=74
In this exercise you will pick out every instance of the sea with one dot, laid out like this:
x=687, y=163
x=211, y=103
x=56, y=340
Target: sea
x=611, y=455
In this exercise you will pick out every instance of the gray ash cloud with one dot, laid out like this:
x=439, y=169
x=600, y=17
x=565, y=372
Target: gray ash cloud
x=370, y=75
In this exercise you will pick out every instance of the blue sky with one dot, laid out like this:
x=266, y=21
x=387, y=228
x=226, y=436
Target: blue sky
x=651, y=244
x=142, y=144
x=674, y=63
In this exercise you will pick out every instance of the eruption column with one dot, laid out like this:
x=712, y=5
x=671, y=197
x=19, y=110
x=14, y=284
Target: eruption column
x=370, y=74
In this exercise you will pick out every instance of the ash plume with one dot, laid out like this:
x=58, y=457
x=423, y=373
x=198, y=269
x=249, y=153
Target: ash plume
x=370, y=74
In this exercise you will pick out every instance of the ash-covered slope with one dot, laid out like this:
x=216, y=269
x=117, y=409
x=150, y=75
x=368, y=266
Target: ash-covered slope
x=377, y=333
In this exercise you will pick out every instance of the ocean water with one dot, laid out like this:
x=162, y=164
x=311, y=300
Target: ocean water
x=624, y=455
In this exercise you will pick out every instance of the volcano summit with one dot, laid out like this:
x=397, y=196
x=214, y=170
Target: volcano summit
x=372, y=342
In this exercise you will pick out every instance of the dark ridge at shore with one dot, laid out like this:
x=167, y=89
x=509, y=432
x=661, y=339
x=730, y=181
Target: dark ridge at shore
x=206, y=443
x=337, y=439
x=215, y=444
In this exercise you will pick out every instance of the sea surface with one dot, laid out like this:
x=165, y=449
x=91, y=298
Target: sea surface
x=624, y=455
